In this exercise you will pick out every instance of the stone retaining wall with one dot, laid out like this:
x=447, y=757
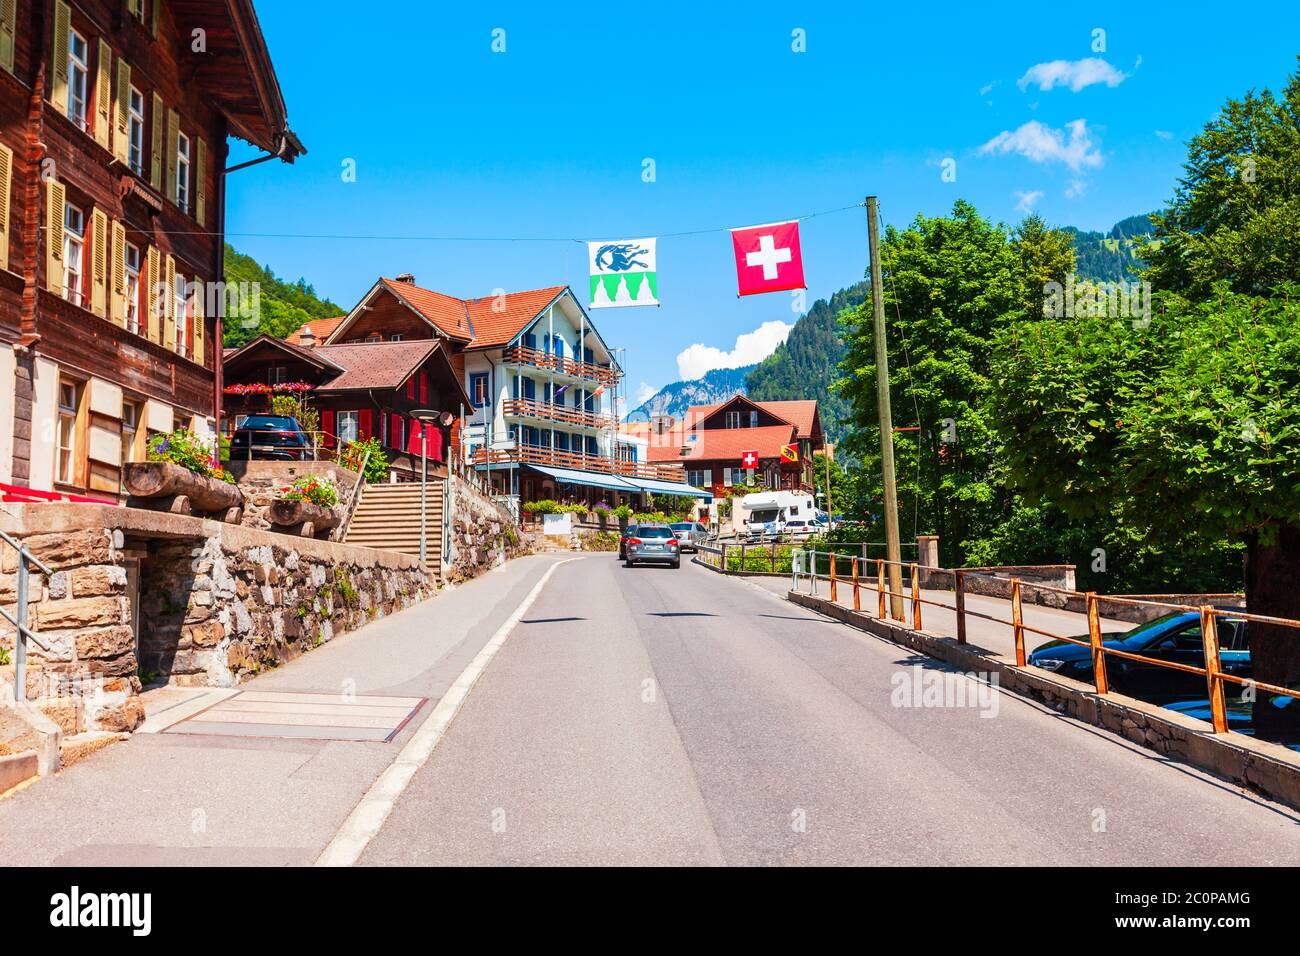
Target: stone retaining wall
x=262, y=483
x=483, y=533
x=210, y=603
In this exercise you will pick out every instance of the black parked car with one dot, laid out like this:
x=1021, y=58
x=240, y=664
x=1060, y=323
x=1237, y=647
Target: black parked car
x=1175, y=637
x=270, y=438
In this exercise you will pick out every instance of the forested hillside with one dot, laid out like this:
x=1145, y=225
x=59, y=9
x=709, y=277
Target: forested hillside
x=715, y=386
x=1110, y=256
x=284, y=306
x=808, y=362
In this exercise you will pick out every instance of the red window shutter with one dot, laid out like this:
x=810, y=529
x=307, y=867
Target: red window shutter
x=413, y=441
x=434, y=437
x=410, y=388
x=395, y=431
x=327, y=426
x=363, y=424
x=424, y=388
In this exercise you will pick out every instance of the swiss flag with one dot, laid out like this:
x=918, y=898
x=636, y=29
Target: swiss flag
x=768, y=258
x=749, y=459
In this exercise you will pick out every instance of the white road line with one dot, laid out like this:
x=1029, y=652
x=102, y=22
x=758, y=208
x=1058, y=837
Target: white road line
x=368, y=816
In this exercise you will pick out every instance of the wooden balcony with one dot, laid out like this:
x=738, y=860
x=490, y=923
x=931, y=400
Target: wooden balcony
x=577, y=461
x=519, y=355
x=560, y=414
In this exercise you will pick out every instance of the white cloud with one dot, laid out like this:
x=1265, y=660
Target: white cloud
x=988, y=88
x=644, y=392
x=1043, y=144
x=1164, y=134
x=1076, y=189
x=751, y=347
x=1026, y=201
x=1076, y=74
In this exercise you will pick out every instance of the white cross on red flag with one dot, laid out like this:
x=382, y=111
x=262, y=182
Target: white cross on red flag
x=768, y=258
x=749, y=459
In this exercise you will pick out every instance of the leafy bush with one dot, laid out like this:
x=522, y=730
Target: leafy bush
x=601, y=541
x=547, y=506
x=183, y=447
x=319, y=490
x=296, y=407
x=376, y=465
x=622, y=511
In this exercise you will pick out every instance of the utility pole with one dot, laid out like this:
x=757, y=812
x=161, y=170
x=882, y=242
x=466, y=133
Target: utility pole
x=892, y=545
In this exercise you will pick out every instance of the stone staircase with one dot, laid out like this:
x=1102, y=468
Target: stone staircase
x=388, y=516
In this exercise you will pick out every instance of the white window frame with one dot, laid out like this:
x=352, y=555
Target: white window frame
x=183, y=171
x=702, y=478
x=65, y=437
x=135, y=131
x=74, y=252
x=181, y=300
x=132, y=286
x=130, y=427
x=78, y=78
x=348, y=426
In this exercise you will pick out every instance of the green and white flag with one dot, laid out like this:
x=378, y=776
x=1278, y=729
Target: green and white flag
x=623, y=273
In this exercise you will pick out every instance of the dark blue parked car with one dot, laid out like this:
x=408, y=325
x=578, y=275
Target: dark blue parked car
x=1175, y=637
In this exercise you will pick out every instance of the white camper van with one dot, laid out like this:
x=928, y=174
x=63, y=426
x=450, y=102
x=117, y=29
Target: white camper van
x=766, y=512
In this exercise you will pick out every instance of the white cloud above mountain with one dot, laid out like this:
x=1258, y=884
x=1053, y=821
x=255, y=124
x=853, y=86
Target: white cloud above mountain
x=1073, y=145
x=1075, y=74
x=750, y=347
x=1026, y=201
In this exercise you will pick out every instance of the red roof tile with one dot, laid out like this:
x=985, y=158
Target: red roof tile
x=447, y=313
x=497, y=320
x=375, y=364
x=321, y=328
x=800, y=413
x=715, y=444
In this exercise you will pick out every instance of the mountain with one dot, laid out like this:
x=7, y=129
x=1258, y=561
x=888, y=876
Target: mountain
x=284, y=306
x=716, y=386
x=1110, y=256
x=806, y=364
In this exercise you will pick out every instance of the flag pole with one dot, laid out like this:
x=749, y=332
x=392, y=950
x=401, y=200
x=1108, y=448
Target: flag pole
x=892, y=544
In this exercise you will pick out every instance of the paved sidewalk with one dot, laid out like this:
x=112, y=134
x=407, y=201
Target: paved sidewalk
x=990, y=635
x=160, y=799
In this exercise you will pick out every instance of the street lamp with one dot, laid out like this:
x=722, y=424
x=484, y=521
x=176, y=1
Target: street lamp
x=426, y=416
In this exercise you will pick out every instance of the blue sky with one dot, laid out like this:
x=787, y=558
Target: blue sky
x=546, y=141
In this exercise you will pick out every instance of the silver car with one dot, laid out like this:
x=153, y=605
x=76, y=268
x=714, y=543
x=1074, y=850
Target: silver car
x=690, y=535
x=653, y=542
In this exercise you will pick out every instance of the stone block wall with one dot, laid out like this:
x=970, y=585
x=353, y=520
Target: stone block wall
x=483, y=533
x=197, y=602
x=262, y=482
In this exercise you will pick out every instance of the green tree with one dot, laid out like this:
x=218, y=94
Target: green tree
x=282, y=307
x=1235, y=216
x=1186, y=431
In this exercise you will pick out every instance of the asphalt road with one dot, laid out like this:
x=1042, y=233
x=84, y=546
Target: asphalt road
x=658, y=716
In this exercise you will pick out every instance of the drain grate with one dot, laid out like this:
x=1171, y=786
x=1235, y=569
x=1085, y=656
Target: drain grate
x=303, y=716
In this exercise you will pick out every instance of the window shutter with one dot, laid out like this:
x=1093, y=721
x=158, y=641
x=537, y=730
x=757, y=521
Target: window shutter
x=201, y=184
x=8, y=16
x=6, y=181
x=173, y=144
x=59, y=71
x=153, y=306
x=363, y=424
x=103, y=93
x=413, y=438
x=327, y=426
x=55, y=198
x=433, y=436
x=169, y=307
x=395, y=431
x=424, y=388
x=410, y=389
x=117, y=271
x=199, y=322
x=98, y=262
x=153, y=15
x=156, y=143
x=122, y=134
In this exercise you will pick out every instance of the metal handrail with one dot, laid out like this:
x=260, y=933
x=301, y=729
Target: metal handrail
x=1212, y=671
x=22, y=633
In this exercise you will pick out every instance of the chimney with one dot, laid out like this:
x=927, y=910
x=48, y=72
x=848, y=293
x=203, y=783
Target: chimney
x=406, y=277
x=306, y=337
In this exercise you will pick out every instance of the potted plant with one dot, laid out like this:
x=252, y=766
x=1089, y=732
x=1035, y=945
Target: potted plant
x=623, y=513
x=602, y=510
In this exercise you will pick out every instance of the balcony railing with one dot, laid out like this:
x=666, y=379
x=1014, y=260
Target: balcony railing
x=578, y=461
x=548, y=411
x=519, y=355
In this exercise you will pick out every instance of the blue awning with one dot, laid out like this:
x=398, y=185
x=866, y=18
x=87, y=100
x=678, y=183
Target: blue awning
x=592, y=479
x=670, y=488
